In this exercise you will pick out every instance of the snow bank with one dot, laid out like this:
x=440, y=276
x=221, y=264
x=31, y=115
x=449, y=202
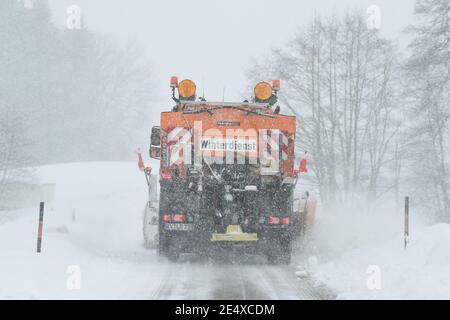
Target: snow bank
x=94, y=224
x=362, y=256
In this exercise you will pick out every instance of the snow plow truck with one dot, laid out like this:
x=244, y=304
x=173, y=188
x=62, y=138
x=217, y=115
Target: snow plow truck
x=227, y=176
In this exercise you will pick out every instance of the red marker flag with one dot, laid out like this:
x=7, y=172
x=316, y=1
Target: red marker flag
x=140, y=161
x=303, y=167
x=141, y=164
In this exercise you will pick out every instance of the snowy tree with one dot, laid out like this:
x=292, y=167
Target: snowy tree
x=428, y=92
x=13, y=144
x=339, y=81
x=71, y=84
x=106, y=95
x=126, y=95
x=15, y=85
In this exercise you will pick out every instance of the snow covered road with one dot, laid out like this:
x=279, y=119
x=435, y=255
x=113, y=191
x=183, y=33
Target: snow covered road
x=234, y=281
x=93, y=249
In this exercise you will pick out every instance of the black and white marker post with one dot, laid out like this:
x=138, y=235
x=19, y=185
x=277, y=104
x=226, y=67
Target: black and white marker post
x=41, y=222
x=406, y=221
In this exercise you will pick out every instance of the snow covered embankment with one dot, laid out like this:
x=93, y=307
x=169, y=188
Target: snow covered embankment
x=364, y=258
x=93, y=228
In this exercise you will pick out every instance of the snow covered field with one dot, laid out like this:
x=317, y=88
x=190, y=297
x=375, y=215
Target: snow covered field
x=419, y=272
x=106, y=202
x=93, y=229
x=363, y=257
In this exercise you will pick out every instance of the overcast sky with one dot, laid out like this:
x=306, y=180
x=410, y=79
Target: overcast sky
x=213, y=42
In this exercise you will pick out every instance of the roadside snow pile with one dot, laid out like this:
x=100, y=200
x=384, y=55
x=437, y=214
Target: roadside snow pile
x=91, y=230
x=370, y=262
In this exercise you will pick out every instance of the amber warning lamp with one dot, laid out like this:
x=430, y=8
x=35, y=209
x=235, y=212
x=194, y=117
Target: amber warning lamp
x=187, y=89
x=263, y=91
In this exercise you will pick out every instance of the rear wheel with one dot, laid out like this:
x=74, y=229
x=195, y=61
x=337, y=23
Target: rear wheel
x=167, y=248
x=149, y=229
x=170, y=202
x=280, y=253
x=148, y=244
x=281, y=258
x=173, y=254
x=163, y=246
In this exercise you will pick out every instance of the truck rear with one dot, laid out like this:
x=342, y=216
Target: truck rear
x=227, y=175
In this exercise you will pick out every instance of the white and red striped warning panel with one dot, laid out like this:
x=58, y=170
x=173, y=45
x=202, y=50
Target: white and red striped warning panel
x=273, y=146
x=179, y=145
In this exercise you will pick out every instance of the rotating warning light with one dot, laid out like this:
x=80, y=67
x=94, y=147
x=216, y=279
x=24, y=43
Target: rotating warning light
x=187, y=88
x=276, y=84
x=263, y=91
x=173, y=82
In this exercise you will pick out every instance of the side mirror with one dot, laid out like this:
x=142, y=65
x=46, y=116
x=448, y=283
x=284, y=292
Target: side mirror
x=155, y=143
x=155, y=152
x=155, y=139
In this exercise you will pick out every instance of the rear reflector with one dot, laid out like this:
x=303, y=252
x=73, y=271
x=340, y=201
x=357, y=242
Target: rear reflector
x=166, y=176
x=167, y=217
x=272, y=220
x=179, y=218
x=278, y=220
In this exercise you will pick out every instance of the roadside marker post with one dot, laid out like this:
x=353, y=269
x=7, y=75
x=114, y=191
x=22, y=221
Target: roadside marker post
x=40, y=224
x=406, y=221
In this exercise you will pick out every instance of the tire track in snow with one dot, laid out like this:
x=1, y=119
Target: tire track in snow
x=185, y=281
x=169, y=286
x=234, y=281
x=241, y=282
x=265, y=285
x=163, y=287
x=290, y=286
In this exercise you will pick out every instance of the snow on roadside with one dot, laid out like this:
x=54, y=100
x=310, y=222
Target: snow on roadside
x=363, y=257
x=104, y=241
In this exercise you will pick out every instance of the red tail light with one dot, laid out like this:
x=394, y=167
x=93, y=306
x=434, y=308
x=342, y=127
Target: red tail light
x=179, y=218
x=278, y=220
x=167, y=217
x=166, y=176
x=272, y=220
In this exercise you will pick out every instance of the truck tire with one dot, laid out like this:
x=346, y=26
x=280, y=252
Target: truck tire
x=282, y=253
x=163, y=246
x=150, y=243
x=173, y=254
x=167, y=249
x=149, y=227
x=282, y=258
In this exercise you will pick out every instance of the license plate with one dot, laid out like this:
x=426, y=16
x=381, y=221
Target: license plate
x=178, y=226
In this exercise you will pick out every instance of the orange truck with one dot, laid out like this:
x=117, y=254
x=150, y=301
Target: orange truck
x=227, y=175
